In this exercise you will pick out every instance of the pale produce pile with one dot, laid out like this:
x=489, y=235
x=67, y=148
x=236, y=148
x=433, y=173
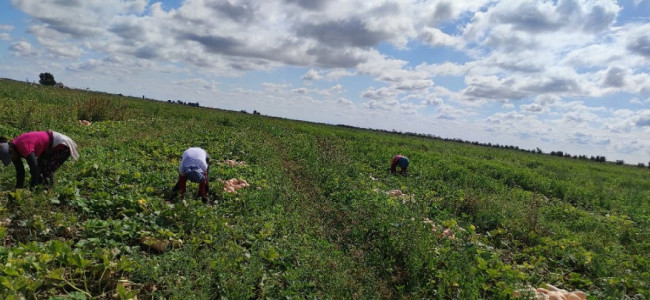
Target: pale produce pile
x=399, y=194
x=439, y=230
x=233, y=163
x=232, y=185
x=550, y=293
x=84, y=122
x=159, y=245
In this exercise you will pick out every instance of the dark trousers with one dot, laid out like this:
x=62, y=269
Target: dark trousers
x=181, y=185
x=49, y=162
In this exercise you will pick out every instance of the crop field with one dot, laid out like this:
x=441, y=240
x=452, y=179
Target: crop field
x=321, y=219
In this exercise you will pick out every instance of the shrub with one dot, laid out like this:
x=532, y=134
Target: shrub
x=100, y=109
x=46, y=79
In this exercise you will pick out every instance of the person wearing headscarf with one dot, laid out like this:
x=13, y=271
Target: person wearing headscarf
x=44, y=151
x=402, y=162
x=194, y=166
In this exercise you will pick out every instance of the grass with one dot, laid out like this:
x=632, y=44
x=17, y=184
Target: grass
x=316, y=222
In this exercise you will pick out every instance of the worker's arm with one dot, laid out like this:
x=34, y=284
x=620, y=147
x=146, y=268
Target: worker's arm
x=393, y=167
x=20, y=173
x=34, y=170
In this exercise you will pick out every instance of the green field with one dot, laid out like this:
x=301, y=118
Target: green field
x=317, y=220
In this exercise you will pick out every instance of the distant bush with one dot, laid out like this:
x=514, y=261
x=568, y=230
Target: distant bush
x=46, y=79
x=100, y=109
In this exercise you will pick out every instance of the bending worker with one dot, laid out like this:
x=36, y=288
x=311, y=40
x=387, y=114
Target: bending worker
x=45, y=152
x=400, y=160
x=194, y=166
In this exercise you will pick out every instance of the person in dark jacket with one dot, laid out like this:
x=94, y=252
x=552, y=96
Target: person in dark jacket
x=402, y=162
x=44, y=151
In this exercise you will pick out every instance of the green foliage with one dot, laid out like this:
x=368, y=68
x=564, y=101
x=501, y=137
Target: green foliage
x=317, y=220
x=46, y=79
x=101, y=109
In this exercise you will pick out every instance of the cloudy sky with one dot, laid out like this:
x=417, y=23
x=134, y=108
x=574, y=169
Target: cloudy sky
x=569, y=75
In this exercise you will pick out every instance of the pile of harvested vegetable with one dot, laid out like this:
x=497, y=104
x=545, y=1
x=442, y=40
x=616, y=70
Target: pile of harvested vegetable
x=549, y=293
x=232, y=185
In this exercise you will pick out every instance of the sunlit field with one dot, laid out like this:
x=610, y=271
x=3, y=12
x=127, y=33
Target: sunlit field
x=322, y=218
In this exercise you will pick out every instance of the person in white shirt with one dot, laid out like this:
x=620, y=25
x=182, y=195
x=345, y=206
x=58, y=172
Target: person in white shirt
x=194, y=166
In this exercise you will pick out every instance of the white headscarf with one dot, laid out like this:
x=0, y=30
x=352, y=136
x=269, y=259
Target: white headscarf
x=60, y=138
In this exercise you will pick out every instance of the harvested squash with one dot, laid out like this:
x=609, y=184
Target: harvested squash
x=234, y=184
x=550, y=292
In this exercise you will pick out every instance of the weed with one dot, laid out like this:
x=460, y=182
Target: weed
x=101, y=109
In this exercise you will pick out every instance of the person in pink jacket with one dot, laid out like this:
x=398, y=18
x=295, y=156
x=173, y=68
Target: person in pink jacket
x=44, y=151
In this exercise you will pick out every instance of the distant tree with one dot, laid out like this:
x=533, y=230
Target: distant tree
x=620, y=162
x=641, y=165
x=46, y=79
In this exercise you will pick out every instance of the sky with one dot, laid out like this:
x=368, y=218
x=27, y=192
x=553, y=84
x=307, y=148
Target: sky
x=565, y=75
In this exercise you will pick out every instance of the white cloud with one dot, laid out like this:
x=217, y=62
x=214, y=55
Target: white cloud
x=414, y=84
x=436, y=38
x=344, y=102
x=447, y=68
x=300, y=91
x=198, y=83
x=23, y=48
x=546, y=100
x=639, y=101
x=5, y=27
x=381, y=93
x=335, y=89
x=532, y=108
x=588, y=138
x=336, y=74
x=311, y=75
x=639, y=40
x=449, y=112
x=5, y=36
x=275, y=87
x=432, y=100
x=580, y=117
x=631, y=146
x=388, y=105
x=643, y=119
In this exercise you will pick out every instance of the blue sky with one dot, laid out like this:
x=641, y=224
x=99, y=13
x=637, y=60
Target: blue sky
x=565, y=75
